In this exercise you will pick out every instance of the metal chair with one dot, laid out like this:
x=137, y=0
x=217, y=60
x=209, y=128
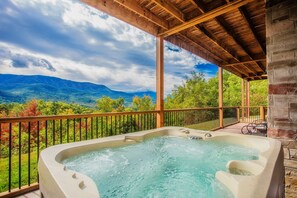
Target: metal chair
x=255, y=127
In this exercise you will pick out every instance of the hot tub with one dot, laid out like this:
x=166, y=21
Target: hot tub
x=265, y=178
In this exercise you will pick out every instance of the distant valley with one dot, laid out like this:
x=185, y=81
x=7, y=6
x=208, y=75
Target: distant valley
x=21, y=88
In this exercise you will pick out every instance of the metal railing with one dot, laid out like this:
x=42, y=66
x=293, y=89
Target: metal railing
x=22, y=139
x=200, y=118
x=250, y=114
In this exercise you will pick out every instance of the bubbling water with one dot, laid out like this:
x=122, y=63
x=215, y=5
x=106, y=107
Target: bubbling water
x=160, y=167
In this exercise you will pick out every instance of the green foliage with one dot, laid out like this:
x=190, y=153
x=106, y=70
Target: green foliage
x=142, y=104
x=196, y=91
x=106, y=104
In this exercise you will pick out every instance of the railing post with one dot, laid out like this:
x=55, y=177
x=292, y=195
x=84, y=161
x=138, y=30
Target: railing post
x=262, y=113
x=238, y=114
x=242, y=100
x=247, y=98
x=221, y=111
x=160, y=81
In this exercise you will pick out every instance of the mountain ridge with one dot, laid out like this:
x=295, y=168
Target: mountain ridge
x=22, y=88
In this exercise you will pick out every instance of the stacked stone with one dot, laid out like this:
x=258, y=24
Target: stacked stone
x=290, y=162
x=281, y=33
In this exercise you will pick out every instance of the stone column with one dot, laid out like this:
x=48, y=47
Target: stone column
x=281, y=38
x=281, y=33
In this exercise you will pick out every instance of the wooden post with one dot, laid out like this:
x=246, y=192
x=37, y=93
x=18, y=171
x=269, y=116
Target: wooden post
x=247, y=98
x=242, y=100
x=160, y=81
x=238, y=114
x=221, y=113
x=262, y=113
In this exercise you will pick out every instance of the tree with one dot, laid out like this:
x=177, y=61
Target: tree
x=196, y=91
x=142, y=104
x=31, y=110
x=106, y=104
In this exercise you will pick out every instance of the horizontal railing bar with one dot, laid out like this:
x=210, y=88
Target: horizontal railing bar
x=18, y=192
x=58, y=117
x=202, y=108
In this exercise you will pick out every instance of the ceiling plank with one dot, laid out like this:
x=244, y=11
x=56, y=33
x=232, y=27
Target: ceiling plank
x=239, y=42
x=114, y=9
x=251, y=61
x=143, y=12
x=246, y=18
x=205, y=33
x=230, y=33
x=168, y=7
x=206, y=16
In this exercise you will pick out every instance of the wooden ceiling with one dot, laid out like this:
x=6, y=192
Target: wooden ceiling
x=230, y=34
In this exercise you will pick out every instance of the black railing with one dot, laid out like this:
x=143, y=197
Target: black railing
x=250, y=114
x=22, y=139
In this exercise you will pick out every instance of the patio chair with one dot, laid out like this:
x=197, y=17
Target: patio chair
x=255, y=127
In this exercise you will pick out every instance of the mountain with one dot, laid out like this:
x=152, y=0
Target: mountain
x=21, y=88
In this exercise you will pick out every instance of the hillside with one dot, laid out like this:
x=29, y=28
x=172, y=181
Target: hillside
x=20, y=88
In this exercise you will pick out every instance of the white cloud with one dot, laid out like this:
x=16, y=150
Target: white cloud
x=133, y=77
x=110, y=63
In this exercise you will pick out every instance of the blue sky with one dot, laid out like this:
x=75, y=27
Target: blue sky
x=70, y=40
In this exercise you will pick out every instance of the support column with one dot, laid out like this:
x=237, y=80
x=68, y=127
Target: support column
x=242, y=100
x=160, y=81
x=221, y=113
x=281, y=39
x=247, y=98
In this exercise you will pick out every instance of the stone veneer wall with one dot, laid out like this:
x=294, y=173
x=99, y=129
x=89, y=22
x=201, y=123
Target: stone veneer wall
x=281, y=33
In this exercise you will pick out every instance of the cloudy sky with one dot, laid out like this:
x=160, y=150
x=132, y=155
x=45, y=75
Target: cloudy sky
x=70, y=40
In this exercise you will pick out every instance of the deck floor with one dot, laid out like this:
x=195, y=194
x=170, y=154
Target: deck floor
x=232, y=129
x=33, y=194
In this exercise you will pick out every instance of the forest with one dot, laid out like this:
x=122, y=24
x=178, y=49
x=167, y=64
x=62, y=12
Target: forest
x=21, y=147
x=195, y=91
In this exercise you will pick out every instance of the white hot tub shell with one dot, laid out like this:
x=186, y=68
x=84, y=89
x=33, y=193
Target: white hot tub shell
x=267, y=179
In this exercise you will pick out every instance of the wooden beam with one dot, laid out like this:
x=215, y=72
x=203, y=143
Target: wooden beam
x=169, y=8
x=239, y=63
x=160, y=81
x=206, y=16
x=230, y=32
x=248, y=21
x=221, y=113
x=114, y=9
x=242, y=99
x=247, y=98
x=194, y=47
x=18, y=192
x=143, y=12
x=239, y=42
x=203, y=32
x=223, y=47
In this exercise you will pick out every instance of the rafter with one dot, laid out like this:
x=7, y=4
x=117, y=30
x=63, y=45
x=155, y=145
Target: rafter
x=251, y=61
x=136, y=8
x=169, y=8
x=143, y=12
x=246, y=18
x=113, y=9
x=205, y=33
x=230, y=33
x=206, y=16
x=234, y=56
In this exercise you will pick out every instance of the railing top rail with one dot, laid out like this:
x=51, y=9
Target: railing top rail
x=253, y=106
x=202, y=108
x=75, y=116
